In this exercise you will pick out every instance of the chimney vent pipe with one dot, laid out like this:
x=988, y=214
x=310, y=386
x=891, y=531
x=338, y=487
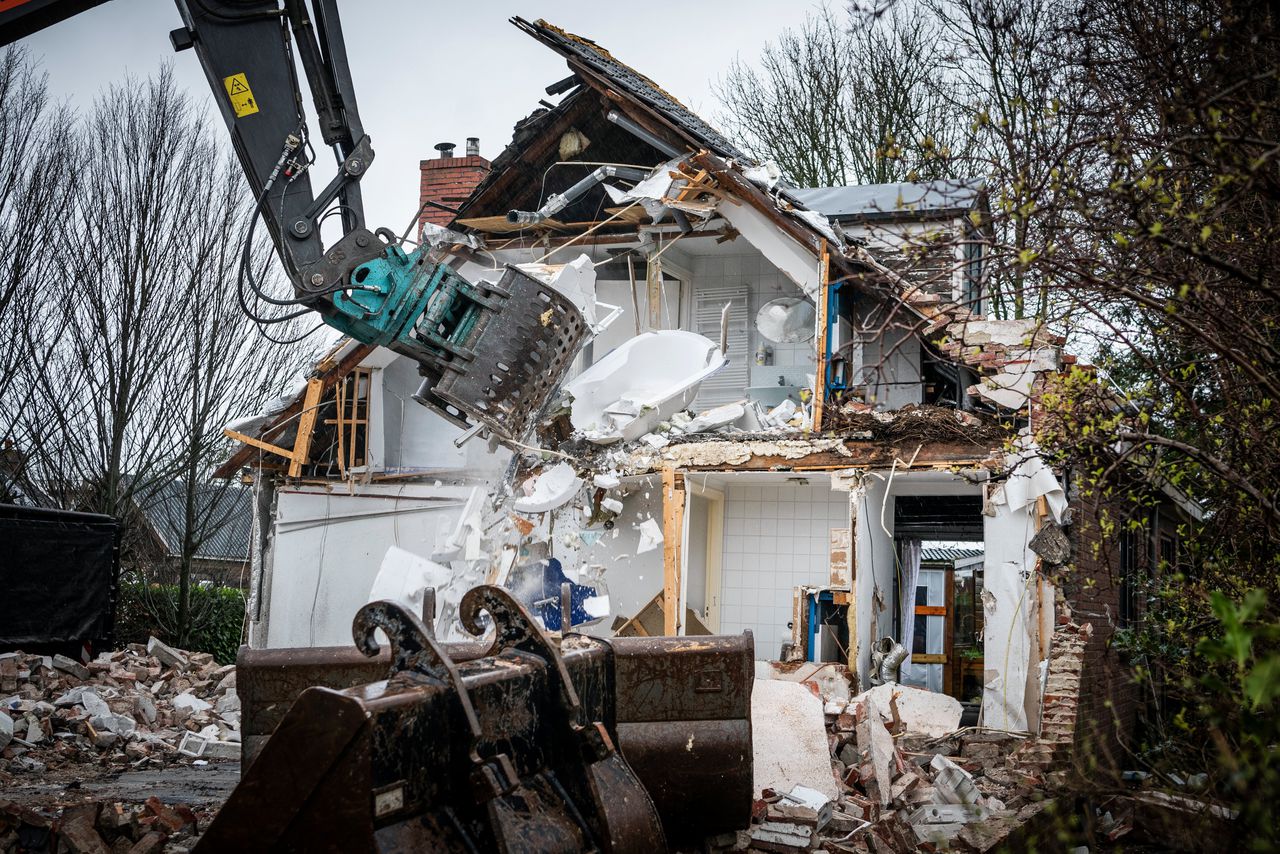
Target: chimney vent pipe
x=473, y=146
x=445, y=149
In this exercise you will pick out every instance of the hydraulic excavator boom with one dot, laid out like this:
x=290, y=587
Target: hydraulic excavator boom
x=489, y=352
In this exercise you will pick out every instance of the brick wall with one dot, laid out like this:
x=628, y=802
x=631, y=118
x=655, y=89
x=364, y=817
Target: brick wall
x=448, y=180
x=1093, y=587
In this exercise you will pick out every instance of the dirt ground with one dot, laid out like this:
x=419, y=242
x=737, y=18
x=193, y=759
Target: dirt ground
x=201, y=788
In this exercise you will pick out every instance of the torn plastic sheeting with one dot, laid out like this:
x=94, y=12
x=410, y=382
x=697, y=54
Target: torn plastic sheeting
x=553, y=488
x=766, y=174
x=437, y=235
x=1030, y=478
x=641, y=383
x=1007, y=603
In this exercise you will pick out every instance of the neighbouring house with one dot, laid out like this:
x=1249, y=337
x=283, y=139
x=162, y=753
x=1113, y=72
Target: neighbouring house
x=799, y=423
x=222, y=518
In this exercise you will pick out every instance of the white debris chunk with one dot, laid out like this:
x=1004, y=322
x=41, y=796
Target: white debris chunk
x=613, y=505
x=953, y=784
x=596, y=606
x=650, y=536
x=714, y=419
x=922, y=712
x=190, y=701
x=655, y=440
x=789, y=738
x=608, y=480
x=552, y=488
x=403, y=578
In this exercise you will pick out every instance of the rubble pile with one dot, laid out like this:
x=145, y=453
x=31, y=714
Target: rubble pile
x=900, y=789
x=140, y=705
x=96, y=828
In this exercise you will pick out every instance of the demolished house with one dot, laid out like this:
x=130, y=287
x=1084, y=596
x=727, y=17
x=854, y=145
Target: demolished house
x=793, y=417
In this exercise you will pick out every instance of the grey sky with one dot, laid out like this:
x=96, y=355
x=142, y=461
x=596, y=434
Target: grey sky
x=427, y=71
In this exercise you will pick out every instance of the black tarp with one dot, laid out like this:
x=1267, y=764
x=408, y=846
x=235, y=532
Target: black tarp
x=58, y=577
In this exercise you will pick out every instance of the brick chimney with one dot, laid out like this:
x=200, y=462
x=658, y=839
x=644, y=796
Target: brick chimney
x=449, y=180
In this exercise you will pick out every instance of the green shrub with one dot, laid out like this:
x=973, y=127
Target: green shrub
x=216, y=623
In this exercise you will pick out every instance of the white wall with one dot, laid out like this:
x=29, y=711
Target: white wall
x=776, y=538
x=695, y=555
x=876, y=569
x=327, y=549
x=767, y=282
x=417, y=439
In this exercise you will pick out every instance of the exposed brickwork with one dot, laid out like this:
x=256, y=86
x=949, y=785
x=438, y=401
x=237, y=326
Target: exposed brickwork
x=1056, y=744
x=1094, y=586
x=448, y=180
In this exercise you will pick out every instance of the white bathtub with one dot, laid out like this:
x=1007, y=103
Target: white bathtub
x=643, y=382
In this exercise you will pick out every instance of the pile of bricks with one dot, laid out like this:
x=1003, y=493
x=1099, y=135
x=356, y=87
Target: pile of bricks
x=138, y=706
x=95, y=828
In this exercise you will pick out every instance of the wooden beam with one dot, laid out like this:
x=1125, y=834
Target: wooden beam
x=329, y=374
x=859, y=455
x=673, y=496
x=258, y=443
x=306, y=424
x=820, y=377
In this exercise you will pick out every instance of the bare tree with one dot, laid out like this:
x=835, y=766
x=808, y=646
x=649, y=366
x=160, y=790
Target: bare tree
x=222, y=370
x=36, y=146
x=850, y=99
x=157, y=354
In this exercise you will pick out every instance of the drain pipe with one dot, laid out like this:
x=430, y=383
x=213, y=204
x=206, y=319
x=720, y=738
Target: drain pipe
x=559, y=201
x=886, y=661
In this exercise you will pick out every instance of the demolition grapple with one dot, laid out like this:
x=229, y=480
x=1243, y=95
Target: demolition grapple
x=521, y=742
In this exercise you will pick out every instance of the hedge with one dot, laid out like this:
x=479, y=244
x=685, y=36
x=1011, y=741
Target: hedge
x=144, y=610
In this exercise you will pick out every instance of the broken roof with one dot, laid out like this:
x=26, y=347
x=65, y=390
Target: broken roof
x=585, y=55
x=892, y=201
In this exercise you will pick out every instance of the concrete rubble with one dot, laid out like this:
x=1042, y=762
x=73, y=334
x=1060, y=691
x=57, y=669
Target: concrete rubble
x=895, y=784
x=129, y=709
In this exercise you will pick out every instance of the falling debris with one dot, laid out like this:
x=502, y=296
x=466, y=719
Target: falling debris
x=552, y=488
x=640, y=384
x=650, y=536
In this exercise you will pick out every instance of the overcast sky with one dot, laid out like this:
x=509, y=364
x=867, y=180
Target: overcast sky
x=427, y=71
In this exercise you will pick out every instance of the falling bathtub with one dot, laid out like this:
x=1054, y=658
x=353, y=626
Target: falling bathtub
x=643, y=382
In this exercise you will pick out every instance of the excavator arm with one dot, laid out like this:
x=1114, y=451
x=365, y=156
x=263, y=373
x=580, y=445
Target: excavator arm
x=489, y=352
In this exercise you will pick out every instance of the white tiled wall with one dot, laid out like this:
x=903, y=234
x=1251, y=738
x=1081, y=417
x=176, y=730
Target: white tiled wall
x=776, y=537
x=792, y=361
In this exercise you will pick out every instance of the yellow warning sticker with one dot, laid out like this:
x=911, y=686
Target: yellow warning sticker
x=242, y=100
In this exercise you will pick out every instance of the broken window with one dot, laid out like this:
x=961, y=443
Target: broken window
x=340, y=442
